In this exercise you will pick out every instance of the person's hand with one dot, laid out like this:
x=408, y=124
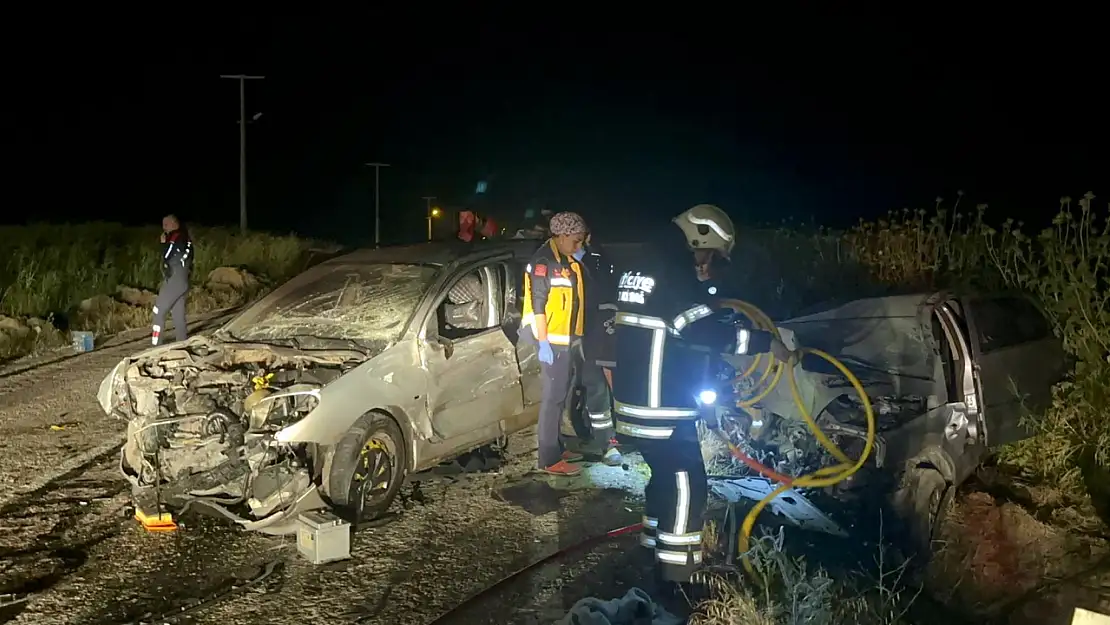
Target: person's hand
x=162, y=239
x=546, y=355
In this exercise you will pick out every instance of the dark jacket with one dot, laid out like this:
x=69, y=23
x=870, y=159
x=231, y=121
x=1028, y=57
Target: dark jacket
x=177, y=253
x=598, y=272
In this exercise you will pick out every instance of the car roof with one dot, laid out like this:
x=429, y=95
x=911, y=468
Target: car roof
x=439, y=253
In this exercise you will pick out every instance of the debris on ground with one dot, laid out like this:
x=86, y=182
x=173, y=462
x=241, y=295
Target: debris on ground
x=636, y=607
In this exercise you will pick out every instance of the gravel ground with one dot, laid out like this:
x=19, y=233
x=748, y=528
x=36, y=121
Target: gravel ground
x=70, y=553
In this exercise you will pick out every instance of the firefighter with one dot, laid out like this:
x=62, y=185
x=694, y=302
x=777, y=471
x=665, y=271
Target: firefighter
x=667, y=347
x=177, y=264
x=554, y=308
x=599, y=315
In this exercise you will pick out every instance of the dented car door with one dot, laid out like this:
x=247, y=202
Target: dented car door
x=473, y=377
x=1017, y=361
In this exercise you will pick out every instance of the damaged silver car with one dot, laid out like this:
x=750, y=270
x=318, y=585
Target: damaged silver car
x=948, y=376
x=331, y=389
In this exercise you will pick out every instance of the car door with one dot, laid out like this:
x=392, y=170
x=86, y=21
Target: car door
x=527, y=357
x=1017, y=360
x=473, y=379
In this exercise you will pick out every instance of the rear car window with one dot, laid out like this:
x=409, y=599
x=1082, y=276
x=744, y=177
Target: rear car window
x=1008, y=321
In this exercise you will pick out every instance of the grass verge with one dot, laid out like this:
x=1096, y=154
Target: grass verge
x=103, y=277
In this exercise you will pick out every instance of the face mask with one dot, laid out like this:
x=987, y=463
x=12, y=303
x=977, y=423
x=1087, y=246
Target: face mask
x=579, y=254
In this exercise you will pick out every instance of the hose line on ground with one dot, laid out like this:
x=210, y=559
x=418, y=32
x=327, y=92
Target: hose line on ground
x=821, y=478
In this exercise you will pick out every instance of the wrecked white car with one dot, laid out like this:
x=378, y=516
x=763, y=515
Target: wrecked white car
x=948, y=376
x=331, y=389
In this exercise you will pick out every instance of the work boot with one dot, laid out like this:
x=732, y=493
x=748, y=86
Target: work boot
x=570, y=456
x=562, y=468
x=613, y=457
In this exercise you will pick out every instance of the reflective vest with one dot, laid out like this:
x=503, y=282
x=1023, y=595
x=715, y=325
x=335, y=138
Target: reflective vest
x=553, y=283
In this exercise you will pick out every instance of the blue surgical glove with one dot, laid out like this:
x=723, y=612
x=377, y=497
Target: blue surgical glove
x=546, y=355
x=579, y=254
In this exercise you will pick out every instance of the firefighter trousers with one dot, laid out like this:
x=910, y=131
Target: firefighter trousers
x=676, y=495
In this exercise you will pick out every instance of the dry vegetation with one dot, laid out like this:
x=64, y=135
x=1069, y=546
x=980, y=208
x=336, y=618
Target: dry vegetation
x=1020, y=563
x=103, y=277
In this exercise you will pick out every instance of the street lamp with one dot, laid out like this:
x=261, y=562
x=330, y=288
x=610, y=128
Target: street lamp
x=435, y=212
x=430, y=212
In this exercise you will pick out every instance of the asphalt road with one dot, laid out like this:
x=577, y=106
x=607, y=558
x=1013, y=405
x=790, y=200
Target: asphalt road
x=71, y=553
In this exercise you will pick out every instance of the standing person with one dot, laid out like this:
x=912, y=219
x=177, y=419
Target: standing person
x=668, y=341
x=600, y=291
x=554, y=308
x=177, y=264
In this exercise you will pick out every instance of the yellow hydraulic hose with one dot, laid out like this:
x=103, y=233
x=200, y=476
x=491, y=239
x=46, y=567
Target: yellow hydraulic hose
x=824, y=477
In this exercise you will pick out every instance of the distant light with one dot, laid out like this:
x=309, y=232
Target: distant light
x=435, y=212
x=482, y=186
x=707, y=397
x=712, y=290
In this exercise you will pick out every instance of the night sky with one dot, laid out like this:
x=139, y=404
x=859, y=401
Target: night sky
x=805, y=115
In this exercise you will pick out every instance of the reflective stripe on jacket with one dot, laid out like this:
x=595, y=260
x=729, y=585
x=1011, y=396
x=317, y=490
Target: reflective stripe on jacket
x=553, y=284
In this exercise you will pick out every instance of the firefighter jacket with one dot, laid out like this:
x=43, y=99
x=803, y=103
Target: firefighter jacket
x=554, y=286
x=668, y=342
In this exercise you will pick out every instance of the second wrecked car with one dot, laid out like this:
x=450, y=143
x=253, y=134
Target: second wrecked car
x=332, y=388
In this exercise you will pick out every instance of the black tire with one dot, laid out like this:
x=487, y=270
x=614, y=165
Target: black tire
x=922, y=502
x=367, y=468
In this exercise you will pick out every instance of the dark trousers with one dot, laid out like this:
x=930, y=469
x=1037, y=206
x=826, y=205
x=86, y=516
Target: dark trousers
x=556, y=389
x=598, y=403
x=675, y=499
x=171, y=299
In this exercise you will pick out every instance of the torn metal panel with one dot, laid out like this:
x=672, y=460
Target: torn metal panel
x=790, y=505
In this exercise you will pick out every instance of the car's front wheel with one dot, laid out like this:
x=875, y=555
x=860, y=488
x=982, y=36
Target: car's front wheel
x=922, y=502
x=367, y=468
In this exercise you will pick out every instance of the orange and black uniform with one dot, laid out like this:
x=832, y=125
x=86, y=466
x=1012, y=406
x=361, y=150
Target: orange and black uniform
x=553, y=286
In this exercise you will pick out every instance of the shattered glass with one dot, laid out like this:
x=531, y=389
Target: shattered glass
x=363, y=304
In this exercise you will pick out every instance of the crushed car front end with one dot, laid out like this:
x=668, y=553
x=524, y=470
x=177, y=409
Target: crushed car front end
x=202, y=418
x=205, y=415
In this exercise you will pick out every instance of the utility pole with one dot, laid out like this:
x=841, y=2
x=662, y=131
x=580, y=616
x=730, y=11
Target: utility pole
x=428, y=212
x=377, y=207
x=242, y=78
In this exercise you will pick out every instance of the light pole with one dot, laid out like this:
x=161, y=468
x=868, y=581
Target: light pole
x=430, y=212
x=377, y=208
x=242, y=78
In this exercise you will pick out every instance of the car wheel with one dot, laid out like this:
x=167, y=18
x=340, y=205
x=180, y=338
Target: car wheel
x=367, y=468
x=922, y=502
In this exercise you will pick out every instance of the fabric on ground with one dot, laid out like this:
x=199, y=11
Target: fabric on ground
x=634, y=608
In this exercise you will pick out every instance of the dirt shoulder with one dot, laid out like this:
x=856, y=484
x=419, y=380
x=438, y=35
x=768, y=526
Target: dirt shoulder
x=464, y=536
x=50, y=422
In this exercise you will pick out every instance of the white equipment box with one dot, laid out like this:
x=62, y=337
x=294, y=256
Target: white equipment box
x=323, y=537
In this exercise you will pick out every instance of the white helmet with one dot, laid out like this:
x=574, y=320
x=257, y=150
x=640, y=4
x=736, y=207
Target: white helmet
x=707, y=227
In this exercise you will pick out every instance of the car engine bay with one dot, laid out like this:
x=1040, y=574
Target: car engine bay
x=202, y=418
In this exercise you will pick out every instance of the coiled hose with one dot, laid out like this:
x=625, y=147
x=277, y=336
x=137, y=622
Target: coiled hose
x=824, y=477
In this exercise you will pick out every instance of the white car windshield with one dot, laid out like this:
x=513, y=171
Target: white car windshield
x=364, y=305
